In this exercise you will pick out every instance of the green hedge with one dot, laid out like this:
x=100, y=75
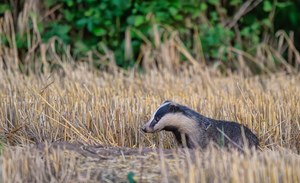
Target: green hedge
x=86, y=24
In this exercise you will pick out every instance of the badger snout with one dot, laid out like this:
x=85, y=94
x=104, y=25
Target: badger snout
x=144, y=129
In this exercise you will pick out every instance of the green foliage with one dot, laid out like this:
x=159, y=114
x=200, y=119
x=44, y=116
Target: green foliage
x=130, y=177
x=215, y=37
x=4, y=7
x=88, y=24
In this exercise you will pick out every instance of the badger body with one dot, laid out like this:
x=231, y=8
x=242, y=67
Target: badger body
x=193, y=130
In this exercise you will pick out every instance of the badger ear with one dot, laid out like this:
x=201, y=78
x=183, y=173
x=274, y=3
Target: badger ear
x=173, y=107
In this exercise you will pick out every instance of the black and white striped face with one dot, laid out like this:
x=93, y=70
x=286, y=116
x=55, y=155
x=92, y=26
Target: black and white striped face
x=161, y=117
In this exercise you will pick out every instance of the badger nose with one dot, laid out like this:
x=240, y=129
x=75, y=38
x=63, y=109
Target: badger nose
x=144, y=129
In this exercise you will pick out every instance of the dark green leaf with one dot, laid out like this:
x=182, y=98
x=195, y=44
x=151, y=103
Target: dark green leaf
x=70, y=3
x=267, y=22
x=235, y=2
x=4, y=7
x=81, y=22
x=68, y=15
x=99, y=31
x=283, y=4
x=294, y=18
x=90, y=25
x=173, y=11
x=214, y=2
x=203, y=6
x=63, y=29
x=267, y=6
x=130, y=20
x=138, y=20
x=178, y=17
x=88, y=12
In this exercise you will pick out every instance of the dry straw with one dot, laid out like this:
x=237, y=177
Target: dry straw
x=78, y=104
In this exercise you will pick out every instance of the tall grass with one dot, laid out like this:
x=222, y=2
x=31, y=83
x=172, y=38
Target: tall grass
x=76, y=103
x=95, y=107
x=104, y=108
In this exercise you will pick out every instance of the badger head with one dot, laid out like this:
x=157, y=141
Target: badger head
x=164, y=118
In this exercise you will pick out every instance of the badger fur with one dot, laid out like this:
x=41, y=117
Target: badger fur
x=195, y=130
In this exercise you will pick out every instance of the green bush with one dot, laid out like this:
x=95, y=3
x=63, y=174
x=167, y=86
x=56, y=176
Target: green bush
x=88, y=24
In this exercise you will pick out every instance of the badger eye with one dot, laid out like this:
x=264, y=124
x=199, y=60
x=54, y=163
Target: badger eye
x=156, y=119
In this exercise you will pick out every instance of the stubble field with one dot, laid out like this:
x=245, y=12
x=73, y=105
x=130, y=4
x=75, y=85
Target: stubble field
x=83, y=125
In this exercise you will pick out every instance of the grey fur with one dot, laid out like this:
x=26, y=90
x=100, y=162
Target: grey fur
x=224, y=133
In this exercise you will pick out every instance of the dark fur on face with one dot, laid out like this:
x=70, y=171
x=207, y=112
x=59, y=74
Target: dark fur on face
x=167, y=107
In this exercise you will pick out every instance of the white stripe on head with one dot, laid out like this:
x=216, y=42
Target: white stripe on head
x=153, y=115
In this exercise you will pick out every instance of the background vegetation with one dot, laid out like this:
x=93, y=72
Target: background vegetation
x=61, y=83
x=214, y=32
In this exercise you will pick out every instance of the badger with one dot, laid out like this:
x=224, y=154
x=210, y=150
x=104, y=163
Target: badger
x=193, y=130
